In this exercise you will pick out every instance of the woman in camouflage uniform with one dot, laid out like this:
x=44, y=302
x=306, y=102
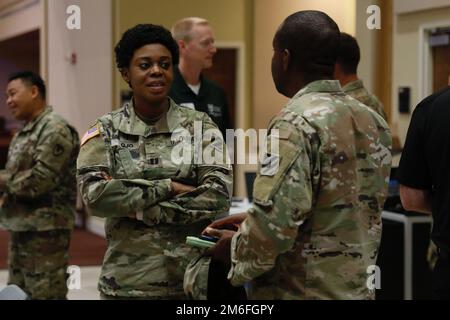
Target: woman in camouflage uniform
x=128, y=173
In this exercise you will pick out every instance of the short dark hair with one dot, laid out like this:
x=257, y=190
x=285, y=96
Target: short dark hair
x=312, y=39
x=348, y=54
x=141, y=35
x=32, y=79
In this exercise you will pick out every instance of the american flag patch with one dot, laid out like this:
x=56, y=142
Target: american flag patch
x=92, y=132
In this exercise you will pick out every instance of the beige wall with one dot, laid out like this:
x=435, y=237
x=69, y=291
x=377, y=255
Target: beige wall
x=81, y=92
x=408, y=6
x=23, y=20
x=367, y=42
x=406, y=60
x=268, y=16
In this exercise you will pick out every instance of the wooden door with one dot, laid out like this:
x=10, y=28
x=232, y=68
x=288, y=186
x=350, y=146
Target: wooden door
x=223, y=72
x=441, y=67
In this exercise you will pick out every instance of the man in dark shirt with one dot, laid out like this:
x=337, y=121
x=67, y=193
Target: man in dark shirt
x=425, y=178
x=190, y=88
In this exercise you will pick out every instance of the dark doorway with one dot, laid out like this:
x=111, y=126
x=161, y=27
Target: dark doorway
x=223, y=72
x=441, y=67
x=16, y=54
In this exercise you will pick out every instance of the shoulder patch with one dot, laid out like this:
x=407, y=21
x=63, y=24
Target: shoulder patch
x=280, y=133
x=91, y=133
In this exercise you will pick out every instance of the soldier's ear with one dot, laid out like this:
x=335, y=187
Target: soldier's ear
x=34, y=91
x=181, y=45
x=125, y=75
x=286, y=59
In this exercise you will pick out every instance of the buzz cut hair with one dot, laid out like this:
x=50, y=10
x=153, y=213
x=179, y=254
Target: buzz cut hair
x=182, y=29
x=30, y=79
x=349, y=54
x=312, y=39
x=141, y=35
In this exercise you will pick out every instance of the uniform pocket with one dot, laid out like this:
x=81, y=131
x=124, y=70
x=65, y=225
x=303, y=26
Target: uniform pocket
x=128, y=164
x=272, y=171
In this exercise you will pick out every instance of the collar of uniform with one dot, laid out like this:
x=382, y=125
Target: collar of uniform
x=30, y=125
x=132, y=124
x=352, y=86
x=319, y=86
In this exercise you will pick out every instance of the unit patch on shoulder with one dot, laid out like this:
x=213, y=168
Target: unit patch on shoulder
x=91, y=133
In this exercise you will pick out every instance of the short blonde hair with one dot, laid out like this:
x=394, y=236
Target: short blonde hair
x=181, y=30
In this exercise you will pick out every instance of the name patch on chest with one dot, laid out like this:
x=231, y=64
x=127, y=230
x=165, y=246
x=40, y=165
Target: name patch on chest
x=128, y=144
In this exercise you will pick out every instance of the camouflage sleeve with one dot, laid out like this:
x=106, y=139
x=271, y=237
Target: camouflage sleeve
x=105, y=196
x=213, y=193
x=54, y=150
x=380, y=108
x=4, y=177
x=283, y=197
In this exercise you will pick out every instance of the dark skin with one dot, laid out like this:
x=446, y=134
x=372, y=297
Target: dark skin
x=286, y=76
x=343, y=77
x=150, y=75
x=224, y=229
x=288, y=81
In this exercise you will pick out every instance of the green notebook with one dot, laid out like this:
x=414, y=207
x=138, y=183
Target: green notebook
x=196, y=242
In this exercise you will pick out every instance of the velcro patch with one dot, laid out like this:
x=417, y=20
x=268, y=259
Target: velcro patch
x=270, y=165
x=91, y=133
x=280, y=134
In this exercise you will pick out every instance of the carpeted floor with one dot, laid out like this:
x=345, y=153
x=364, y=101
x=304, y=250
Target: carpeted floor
x=86, y=249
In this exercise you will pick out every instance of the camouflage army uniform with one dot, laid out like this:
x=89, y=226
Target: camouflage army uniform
x=315, y=224
x=39, y=204
x=357, y=90
x=125, y=167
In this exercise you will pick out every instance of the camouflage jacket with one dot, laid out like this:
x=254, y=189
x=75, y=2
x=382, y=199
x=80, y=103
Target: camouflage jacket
x=126, y=166
x=315, y=224
x=357, y=90
x=40, y=191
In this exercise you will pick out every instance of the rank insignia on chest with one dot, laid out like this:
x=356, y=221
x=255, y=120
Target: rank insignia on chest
x=153, y=160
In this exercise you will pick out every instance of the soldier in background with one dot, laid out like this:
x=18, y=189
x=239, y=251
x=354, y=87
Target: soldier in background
x=190, y=88
x=315, y=225
x=345, y=71
x=127, y=174
x=38, y=204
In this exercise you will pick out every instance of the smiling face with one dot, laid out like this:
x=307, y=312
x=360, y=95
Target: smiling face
x=20, y=99
x=150, y=74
